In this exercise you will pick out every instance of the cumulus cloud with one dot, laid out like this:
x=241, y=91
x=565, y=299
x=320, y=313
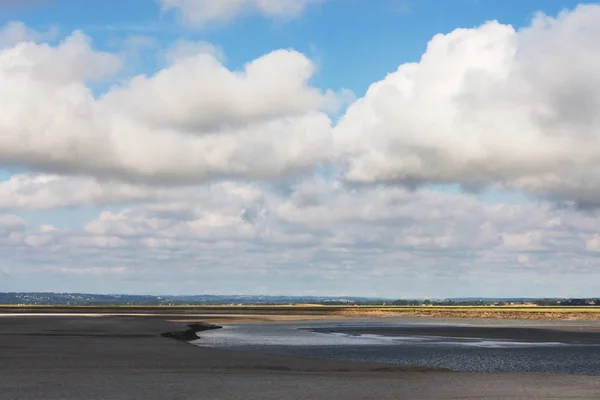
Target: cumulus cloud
x=192, y=121
x=182, y=49
x=71, y=61
x=17, y=32
x=200, y=13
x=197, y=93
x=488, y=106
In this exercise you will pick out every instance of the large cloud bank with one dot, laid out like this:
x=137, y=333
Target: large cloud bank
x=483, y=106
x=312, y=237
x=246, y=170
x=194, y=120
x=488, y=105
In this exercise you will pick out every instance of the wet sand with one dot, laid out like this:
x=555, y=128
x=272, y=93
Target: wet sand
x=127, y=358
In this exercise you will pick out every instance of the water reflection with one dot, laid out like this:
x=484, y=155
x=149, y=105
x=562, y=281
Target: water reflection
x=460, y=354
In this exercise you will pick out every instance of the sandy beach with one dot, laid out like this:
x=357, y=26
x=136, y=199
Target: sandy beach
x=127, y=358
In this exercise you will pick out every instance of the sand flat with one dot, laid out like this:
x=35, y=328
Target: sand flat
x=126, y=358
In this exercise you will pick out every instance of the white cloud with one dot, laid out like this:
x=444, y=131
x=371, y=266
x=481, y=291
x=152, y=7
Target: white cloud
x=193, y=121
x=342, y=240
x=484, y=106
x=71, y=61
x=47, y=112
x=488, y=105
x=200, y=13
x=29, y=191
x=524, y=241
x=593, y=243
x=11, y=223
x=17, y=32
x=182, y=49
x=197, y=93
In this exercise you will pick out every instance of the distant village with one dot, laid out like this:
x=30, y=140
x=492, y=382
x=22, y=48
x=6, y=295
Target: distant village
x=500, y=302
x=83, y=299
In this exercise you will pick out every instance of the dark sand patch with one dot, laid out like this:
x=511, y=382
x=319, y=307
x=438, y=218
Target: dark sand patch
x=192, y=332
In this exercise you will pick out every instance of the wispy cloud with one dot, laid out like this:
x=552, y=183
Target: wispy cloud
x=148, y=27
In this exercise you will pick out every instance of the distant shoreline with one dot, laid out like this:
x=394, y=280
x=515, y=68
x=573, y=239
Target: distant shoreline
x=299, y=312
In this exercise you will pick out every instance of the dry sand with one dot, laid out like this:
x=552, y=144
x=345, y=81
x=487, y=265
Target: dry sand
x=112, y=358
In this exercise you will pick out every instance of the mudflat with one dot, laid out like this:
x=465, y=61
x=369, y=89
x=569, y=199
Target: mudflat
x=73, y=357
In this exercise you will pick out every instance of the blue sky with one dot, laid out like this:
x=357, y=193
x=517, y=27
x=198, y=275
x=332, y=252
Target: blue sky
x=97, y=192
x=355, y=42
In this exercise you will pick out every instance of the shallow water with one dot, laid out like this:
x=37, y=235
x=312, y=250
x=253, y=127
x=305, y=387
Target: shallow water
x=459, y=354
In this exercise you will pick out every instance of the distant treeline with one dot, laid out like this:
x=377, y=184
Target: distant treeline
x=475, y=303
x=83, y=299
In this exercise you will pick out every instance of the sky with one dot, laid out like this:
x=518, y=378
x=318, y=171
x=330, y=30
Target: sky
x=386, y=148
